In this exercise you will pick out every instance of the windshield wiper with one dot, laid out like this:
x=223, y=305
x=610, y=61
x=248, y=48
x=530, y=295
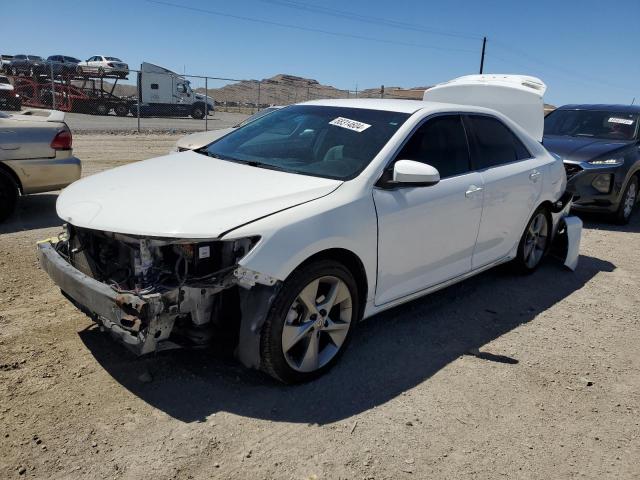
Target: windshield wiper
x=264, y=165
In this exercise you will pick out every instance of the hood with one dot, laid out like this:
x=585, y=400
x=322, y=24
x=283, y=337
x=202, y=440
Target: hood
x=582, y=149
x=200, y=139
x=187, y=195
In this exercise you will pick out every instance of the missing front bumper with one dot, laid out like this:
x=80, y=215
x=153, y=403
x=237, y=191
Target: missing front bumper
x=117, y=312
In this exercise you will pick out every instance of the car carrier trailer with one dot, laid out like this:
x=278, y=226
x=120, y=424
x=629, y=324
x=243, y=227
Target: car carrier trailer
x=81, y=94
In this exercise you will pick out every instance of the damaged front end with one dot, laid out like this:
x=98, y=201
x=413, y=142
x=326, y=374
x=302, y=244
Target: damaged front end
x=153, y=293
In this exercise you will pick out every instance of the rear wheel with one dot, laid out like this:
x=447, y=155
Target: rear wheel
x=8, y=196
x=534, y=242
x=102, y=109
x=310, y=322
x=627, y=202
x=121, y=110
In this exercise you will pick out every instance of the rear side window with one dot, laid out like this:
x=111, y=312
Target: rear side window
x=441, y=142
x=495, y=144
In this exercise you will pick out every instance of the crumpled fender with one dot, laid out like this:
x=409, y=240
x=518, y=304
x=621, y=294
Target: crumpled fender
x=254, y=306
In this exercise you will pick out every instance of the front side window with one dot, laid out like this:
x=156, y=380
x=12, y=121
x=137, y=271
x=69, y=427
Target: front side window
x=442, y=143
x=605, y=124
x=495, y=144
x=330, y=142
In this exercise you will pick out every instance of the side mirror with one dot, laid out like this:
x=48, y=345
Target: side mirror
x=412, y=173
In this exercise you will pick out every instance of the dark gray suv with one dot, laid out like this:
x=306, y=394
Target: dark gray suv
x=600, y=148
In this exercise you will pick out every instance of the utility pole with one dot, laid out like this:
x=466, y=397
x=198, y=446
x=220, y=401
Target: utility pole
x=484, y=45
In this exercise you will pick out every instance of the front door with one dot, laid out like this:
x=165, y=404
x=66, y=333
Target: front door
x=426, y=235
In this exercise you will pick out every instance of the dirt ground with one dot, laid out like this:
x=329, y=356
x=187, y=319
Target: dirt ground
x=502, y=376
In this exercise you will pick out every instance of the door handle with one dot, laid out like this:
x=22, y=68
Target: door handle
x=533, y=176
x=471, y=190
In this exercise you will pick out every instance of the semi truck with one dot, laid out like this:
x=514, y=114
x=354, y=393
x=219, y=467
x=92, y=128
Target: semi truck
x=166, y=93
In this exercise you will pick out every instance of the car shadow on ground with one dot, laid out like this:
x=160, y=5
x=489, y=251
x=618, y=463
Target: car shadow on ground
x=33, y=212
x=391, y=353
x=595, y=221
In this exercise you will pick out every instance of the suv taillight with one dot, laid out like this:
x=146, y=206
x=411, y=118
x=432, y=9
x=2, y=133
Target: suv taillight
x=62, y=140
x=110, y=64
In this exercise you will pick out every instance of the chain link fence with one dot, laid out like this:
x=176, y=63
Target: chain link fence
x=105, y=95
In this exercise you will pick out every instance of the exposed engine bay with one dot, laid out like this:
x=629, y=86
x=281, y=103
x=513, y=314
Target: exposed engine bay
x=163, y=292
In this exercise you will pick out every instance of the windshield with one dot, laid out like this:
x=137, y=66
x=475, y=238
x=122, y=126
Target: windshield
x=608, y=125
x=330, y=142
x=256, y=116
x=35, y=58
x=112, y=59
x=71, y=60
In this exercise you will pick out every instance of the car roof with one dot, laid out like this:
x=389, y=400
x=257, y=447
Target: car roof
x=602, y=107
x=390, y=105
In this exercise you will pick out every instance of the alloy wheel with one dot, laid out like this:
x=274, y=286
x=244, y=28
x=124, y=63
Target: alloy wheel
x=630, y=199
x=317, y=324
x=535, y=242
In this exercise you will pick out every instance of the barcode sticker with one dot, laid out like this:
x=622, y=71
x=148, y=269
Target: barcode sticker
x=624, y=121
x=349, y=124
x=204, y=252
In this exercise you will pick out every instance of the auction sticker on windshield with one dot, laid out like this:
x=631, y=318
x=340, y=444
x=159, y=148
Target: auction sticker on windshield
x=349, y=124
x=624, y=121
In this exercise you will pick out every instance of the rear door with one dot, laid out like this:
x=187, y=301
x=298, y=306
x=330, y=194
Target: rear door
x=426, y=234
x=512, y=179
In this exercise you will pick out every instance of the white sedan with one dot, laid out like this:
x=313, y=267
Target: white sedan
x=101, y=65
x=285, y=233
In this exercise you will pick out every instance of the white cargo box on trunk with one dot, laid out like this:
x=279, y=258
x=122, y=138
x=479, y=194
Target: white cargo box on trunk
x=518, y=97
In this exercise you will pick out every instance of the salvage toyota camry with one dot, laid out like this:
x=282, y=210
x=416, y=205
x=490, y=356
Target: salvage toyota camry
x=283, y=234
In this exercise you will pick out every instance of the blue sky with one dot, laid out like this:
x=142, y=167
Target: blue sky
x=586, y=51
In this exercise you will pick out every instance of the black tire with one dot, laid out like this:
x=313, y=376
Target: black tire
x=272, y=355
x=523, y=262
x=197, y=112
x=121, y=110
x=102, y=109
x=624, y=213
x=8, y=196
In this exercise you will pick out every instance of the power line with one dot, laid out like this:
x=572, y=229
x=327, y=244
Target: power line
x=370, y=19
x=557, y=69
x=307, y=29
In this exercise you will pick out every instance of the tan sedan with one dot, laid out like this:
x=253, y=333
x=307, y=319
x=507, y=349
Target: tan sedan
x=36, y=155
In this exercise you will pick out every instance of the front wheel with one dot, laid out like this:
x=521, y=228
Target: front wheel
x=534, y=242
x=310, y=322
x=197, y=112
x=627, y=202
x=8, y=196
